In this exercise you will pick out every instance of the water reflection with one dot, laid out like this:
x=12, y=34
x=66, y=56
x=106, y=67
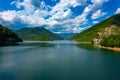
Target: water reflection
x=87, y=46
x=8, y=44
x=57, y=60
x=7, y=60
x=37, y=44
x=90, y=47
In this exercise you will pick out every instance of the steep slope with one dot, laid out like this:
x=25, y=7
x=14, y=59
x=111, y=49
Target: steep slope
x=89, y=34
x=37, y=33
x=8, y=36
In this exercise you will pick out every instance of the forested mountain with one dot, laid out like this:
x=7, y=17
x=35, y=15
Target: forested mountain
x=8, y=36
x=105, y=33
x=37, y=33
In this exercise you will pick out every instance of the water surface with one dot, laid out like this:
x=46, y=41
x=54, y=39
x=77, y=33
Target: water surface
x=58, y=60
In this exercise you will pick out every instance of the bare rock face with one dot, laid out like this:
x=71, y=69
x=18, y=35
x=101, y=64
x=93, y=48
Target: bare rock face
x=112, y=30
x=96, y=41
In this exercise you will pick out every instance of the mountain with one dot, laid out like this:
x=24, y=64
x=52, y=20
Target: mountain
x=67, y=35
x=37, y=33
x=89, y=34
x=8, y=36
x=105, y=33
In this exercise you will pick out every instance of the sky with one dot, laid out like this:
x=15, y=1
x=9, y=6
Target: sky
x=58, y=16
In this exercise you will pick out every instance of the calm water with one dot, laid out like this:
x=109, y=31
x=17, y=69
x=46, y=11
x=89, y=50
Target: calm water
x=58, y=60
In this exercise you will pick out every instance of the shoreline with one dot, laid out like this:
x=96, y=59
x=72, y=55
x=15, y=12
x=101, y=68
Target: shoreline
x=111, y=48
x=86, y=42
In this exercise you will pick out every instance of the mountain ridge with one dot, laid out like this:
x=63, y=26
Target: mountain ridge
x=105, y=33
x=88, y=34
x=37, y=33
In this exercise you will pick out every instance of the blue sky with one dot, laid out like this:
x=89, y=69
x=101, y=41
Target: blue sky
x=59, y=16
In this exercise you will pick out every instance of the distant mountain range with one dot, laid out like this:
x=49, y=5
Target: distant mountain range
x=37, y=33
x=8, y=36
x=105, y=33
x=67, y=35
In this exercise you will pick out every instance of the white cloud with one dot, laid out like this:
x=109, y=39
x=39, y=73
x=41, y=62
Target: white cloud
x=117, y=11
x=66, y=4
x=61, y=15
x=75, y=3
x=37, y=13
x=80, y=20
x=8, y=16
x=97, y=4
x=98, y=14
x=77, y=30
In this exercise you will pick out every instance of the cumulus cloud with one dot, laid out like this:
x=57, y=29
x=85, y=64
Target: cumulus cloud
x=117, y=11
x=96, y=4
x=91, y=8
x=5, y=17
x=59, y=16
x=98, y=14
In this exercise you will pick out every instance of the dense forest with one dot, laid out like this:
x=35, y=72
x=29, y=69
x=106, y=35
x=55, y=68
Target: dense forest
x=111, y=41
x=8, y=36
x=37, y=33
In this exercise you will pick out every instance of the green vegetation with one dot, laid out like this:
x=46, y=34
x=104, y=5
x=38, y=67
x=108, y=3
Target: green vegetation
x=8, y=36
x=37, y=33
x=89, y=34
x=111, y=41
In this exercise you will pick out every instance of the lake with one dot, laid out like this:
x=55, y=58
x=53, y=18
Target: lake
x=58, y=60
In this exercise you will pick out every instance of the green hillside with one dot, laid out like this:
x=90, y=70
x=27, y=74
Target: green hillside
x=89, y=34
x=111, y=41
x=8, y=36
x=37, y=33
